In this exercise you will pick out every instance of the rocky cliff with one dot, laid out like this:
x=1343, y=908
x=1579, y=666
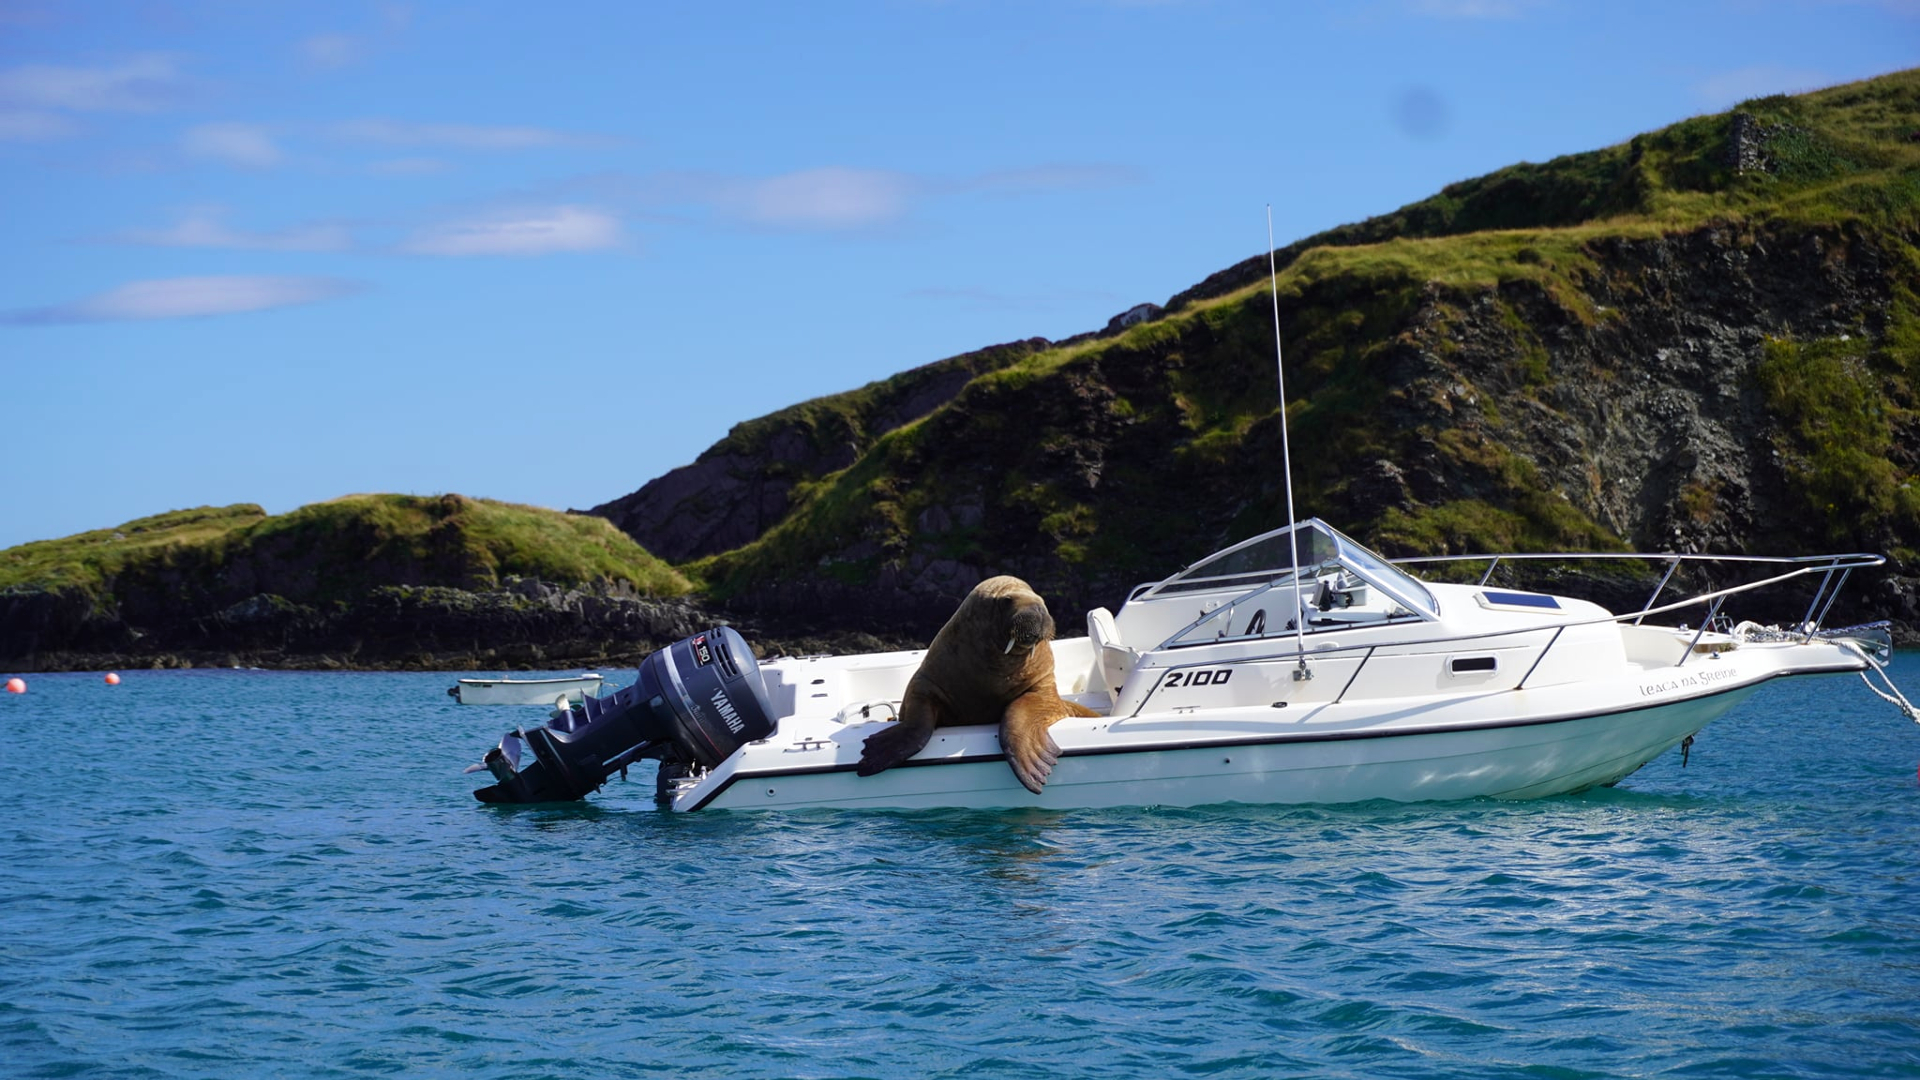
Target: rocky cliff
x=365, y=581
x=746, y=483
x=525, y=624
x=1703, y=340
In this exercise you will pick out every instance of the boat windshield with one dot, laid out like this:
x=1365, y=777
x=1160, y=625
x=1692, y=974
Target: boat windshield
x=1267, y=560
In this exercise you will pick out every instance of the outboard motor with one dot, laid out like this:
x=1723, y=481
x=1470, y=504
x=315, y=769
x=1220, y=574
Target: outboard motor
x=695, y=702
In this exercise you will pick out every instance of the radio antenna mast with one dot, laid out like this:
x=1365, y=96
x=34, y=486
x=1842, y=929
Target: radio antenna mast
x=1301, y=673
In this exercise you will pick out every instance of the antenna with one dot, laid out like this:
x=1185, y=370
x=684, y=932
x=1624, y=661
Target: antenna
x=1293, y=536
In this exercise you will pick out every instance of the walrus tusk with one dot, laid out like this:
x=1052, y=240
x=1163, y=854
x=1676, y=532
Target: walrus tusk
x=1010, y=640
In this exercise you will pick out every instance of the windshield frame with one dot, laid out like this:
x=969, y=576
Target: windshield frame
x=1266, y=561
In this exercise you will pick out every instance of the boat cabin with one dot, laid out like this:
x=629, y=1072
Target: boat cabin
x=1299, y=613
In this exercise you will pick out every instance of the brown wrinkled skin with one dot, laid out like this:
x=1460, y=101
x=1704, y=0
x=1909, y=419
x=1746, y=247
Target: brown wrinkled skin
x=969, y=677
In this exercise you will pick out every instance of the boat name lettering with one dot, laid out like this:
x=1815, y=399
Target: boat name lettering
x=1210, y=677
x=727, y=712
x=1693, y=679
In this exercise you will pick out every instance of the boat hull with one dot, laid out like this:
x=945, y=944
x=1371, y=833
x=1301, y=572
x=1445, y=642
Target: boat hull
x=1519, y=759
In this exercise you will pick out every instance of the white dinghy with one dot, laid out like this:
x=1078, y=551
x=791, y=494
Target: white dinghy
x=525, y=691
x=1235, y=680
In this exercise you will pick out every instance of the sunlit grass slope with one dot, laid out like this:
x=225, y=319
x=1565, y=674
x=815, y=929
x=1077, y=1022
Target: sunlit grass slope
x=336, y=550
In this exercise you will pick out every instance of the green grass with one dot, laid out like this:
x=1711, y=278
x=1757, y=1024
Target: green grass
x=1840, y=154
x=1837, y=438
x=1474, y=526
x=857, y=417
x=337, y=550
x=86, y=560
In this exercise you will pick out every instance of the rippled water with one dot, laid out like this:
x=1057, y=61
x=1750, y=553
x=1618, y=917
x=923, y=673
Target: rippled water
x=249, y=874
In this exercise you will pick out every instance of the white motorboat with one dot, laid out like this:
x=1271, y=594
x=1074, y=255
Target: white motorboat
x=525, y=691
x=1236, y=680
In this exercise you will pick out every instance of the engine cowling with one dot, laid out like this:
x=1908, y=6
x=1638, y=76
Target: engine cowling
x=693, y=703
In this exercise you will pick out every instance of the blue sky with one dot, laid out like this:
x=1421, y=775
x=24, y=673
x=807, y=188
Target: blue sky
x=282, y=252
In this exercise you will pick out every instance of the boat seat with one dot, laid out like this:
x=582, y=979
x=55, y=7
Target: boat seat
x=1112, y=660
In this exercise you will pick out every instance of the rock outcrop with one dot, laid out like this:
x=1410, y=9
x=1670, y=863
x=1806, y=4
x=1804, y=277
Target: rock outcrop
x=1634, y=412
x=528, y=625
x=743, y=485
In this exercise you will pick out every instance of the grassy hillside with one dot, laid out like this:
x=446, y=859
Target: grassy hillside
x=334, y=551
x=741, y=484
x=87, y=561
x=1819, y=158
x=1456, y=371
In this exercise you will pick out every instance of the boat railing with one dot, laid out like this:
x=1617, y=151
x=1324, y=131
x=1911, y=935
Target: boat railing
x=1803, y=565
x=1800, y=566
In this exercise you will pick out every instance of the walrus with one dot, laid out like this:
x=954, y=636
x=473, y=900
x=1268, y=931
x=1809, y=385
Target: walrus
x=990, y=664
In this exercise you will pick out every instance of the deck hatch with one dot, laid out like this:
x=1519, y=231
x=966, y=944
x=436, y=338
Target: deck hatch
x=1519, y=599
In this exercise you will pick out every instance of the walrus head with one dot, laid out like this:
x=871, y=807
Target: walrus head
x=1004, y=615
x=1029, y=626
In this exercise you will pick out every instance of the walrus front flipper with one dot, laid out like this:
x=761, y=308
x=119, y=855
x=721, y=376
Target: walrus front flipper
x=1032, y=760
x=1030, y=749
x=891, y=746
x=897, y=742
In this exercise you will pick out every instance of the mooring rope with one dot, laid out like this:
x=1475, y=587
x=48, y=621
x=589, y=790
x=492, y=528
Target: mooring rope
x=1891, y=695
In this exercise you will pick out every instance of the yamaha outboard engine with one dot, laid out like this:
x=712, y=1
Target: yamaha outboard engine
x=695, y=702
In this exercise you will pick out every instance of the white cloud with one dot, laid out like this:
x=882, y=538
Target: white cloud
x=28, y=125
x=525, y=232
x=1059, y=177
x=332, y=50
x=1475, y=9
x=142, y=83
x=843, y=199
x=831, y=198
x=409, y=166
x=188, y=297
x=1732, y=87
x=457, y=136
x=245, y=145
x=206, y=227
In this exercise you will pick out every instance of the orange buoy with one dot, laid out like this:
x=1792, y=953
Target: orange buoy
x=113, y=679
x=16, y=686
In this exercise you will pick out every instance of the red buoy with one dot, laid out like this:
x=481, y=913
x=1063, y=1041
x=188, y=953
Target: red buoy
x=16, y=686
x=113, y=679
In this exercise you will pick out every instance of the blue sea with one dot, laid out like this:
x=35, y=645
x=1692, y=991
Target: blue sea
x=284, y=874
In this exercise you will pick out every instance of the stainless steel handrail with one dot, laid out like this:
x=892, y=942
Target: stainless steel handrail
x=1827, y=563
x=1672, y=565
x=1866, y=558
x=1851, y=560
